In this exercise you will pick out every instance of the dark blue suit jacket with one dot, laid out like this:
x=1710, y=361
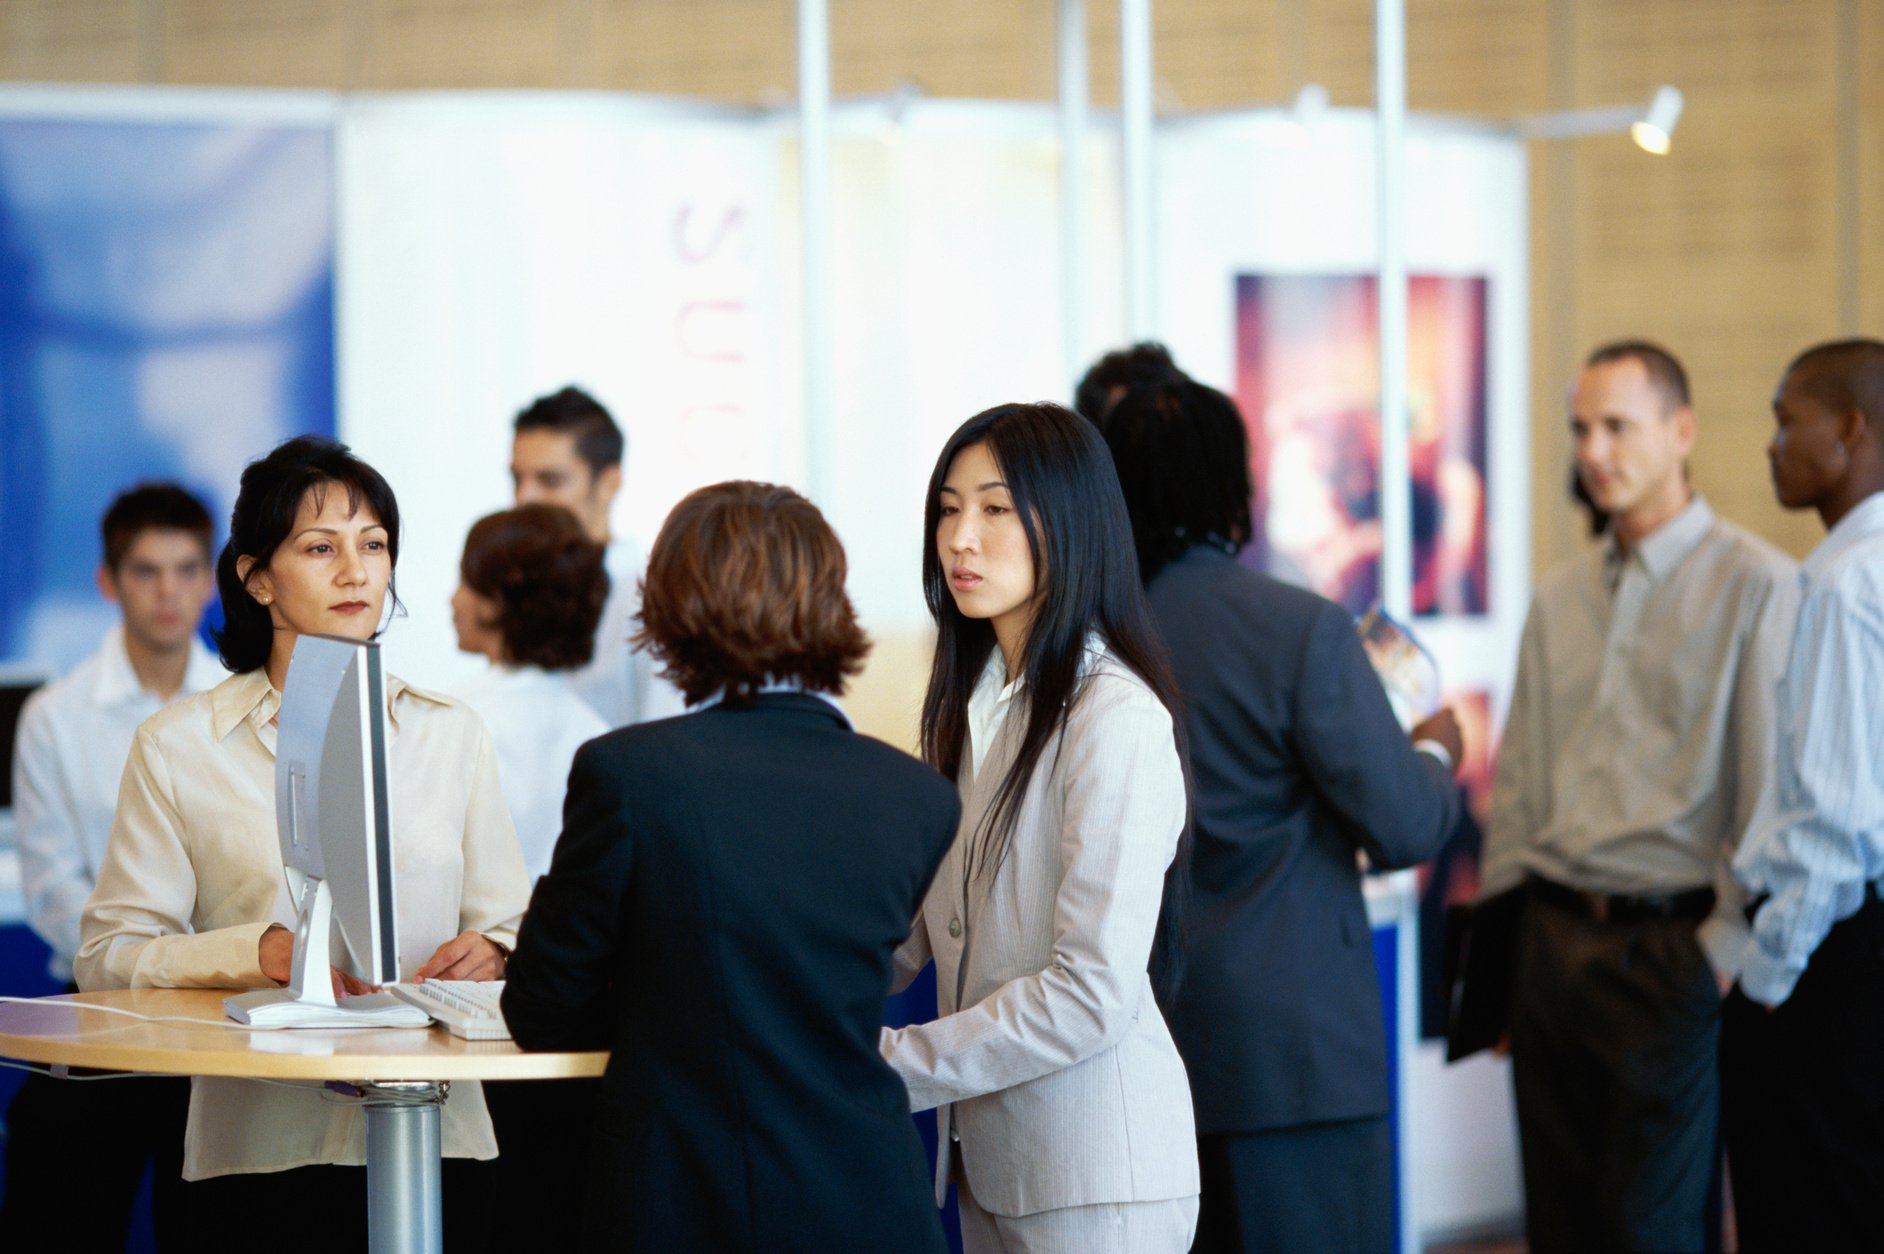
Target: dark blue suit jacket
x=721, y=913
x=1298, y=763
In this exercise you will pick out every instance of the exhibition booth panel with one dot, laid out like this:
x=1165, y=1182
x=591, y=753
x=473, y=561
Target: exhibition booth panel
x=192, y=275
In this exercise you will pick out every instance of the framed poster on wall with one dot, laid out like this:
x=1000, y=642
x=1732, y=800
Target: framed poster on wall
x=1308, y=383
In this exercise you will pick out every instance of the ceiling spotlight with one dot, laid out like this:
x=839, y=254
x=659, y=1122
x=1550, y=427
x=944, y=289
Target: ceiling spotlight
x=1652, y=128
x=1657, y=126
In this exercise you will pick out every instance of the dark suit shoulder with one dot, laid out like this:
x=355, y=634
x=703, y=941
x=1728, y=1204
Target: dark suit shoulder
x=681, y=735
x=709, y=743
x=614, y=751
x=891, y=764
x=675, y=728
x=1206, y=587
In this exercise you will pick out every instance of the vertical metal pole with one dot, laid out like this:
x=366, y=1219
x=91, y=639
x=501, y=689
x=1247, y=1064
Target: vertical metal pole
x=814, y=190
x=1406, y=1016
x=1851, y=161
x=1559, y=297
x=1074, y=95
x=404, y=1205
x=1135, y=115
x=1396, y=557
x=1396, y=497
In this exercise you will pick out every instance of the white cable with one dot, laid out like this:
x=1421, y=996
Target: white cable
x=132, y=1014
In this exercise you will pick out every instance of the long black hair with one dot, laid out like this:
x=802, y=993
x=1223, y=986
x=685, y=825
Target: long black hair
x=264, y=514
x=1183, y=459
x=1066, y=495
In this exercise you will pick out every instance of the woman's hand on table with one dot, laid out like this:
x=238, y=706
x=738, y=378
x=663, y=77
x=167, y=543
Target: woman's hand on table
x=276, y=956
x=466, y=956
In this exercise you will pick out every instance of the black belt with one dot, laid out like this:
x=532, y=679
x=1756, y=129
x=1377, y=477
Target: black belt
x=1693, y=903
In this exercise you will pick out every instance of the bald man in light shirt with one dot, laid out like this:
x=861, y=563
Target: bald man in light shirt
x=1803, y=1035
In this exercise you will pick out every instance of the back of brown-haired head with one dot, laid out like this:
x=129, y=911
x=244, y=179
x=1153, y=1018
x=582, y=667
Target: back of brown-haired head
x=547, y=578
x=745, y=587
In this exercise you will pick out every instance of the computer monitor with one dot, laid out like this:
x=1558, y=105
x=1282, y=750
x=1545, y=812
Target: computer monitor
x=333, y=819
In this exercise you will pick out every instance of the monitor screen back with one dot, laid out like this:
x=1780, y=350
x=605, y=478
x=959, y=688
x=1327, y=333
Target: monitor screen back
x=332, y=806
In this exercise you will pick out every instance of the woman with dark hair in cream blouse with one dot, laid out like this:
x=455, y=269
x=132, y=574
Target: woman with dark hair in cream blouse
x=192, y=893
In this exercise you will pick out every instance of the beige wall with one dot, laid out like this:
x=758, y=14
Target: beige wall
x=1763, y=231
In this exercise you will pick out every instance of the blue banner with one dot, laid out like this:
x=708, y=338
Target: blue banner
x=166, y=312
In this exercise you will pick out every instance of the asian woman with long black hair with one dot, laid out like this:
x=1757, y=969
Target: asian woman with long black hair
x=1065, y=1112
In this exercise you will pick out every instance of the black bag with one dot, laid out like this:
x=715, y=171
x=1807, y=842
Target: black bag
x=1480, y=970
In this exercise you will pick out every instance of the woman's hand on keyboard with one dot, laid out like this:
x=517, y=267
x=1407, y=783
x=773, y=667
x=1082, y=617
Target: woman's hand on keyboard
x=466, y=956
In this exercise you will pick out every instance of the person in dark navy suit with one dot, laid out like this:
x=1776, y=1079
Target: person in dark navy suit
x=722, y=909
x=1298, y=766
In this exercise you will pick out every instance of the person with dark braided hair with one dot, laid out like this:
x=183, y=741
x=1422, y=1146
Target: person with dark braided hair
x=1298, y=765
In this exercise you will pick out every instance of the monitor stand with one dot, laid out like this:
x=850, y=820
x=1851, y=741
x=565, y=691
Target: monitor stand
x=308, y=1001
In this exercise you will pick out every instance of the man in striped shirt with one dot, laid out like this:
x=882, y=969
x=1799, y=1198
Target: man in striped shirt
x=1803, y=1036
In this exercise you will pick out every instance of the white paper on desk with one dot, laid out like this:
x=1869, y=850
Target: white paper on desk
x=279, y=1008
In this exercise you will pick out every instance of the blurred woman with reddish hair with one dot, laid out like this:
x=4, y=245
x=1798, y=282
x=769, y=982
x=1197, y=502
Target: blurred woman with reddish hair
x=530, y=592
x=723, y=909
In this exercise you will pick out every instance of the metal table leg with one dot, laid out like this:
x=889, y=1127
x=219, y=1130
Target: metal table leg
x=404, y=1205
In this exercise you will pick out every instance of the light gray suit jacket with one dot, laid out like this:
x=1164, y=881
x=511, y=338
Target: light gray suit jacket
x=1050, y=1061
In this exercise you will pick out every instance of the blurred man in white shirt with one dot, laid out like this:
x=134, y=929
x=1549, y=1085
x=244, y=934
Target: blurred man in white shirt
x=75, y=1153
x=568, y=451
x=74, y=733
x=1802, y=1092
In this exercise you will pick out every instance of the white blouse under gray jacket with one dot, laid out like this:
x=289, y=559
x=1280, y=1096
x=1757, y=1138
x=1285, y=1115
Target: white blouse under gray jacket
x=1050, y=1061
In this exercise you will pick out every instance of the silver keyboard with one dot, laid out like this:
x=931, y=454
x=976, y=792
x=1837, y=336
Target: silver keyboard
x=466, y=1008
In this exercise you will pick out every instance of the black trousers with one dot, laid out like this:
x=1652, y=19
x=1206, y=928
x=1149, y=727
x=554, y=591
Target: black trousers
x=1615, y=1030
x=545, y=1138
x=1324, y=1188
x=76, y=1154
x=1803, y=1099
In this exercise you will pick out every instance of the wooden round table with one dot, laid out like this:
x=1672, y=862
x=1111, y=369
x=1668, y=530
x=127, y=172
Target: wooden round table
x=401, y=1074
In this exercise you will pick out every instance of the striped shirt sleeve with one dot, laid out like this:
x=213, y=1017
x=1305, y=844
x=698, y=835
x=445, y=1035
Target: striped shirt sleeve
x=1827, y=843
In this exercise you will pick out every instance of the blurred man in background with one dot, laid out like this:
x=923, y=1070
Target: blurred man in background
x=75, y=1153
x=568, y=451
x=1639, y=742
x=1803, y=1035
